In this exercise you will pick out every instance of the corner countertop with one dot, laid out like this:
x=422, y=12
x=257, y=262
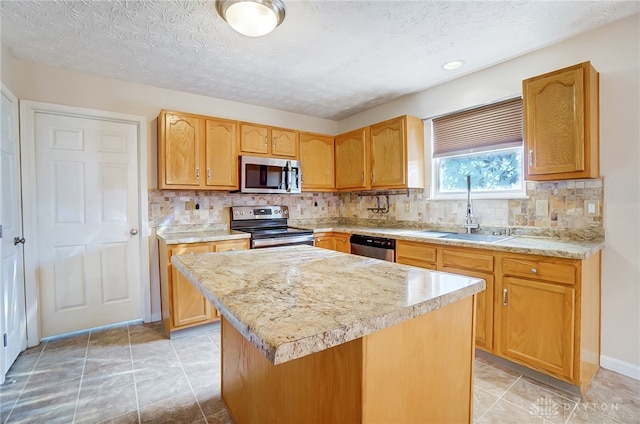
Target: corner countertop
x=543, y=246
x=297, y=300
x=201, y=236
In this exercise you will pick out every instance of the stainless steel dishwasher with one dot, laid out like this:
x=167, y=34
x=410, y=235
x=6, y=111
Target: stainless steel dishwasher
x=374, y=247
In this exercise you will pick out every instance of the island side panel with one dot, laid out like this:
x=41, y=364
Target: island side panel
x=422, y=370
x=325, y=387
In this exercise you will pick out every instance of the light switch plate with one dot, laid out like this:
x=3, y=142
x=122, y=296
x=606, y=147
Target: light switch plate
x=407, y=206
x=542, y=208
x=592, y=208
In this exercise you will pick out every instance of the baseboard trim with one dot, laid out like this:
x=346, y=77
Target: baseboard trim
x=621, y=367
x=156, y=317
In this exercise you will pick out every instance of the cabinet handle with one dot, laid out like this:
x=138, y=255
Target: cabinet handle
x=534, y=271
x=372, y=179
x=274, y=142
x=530, y=157
x=208, y=173
x=362, y=177
x=197, y=173
x=266, y=140
x=504, y=298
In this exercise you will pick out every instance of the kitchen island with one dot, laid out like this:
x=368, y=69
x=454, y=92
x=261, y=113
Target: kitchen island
x=312, y=335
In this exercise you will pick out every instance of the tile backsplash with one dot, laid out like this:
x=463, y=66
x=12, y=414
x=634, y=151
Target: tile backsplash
x=565, y=217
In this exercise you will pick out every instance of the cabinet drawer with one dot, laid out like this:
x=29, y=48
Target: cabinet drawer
x=181, y=249
x=228, y=245
x=541, y=268
x=467, y=259
x=417, y=254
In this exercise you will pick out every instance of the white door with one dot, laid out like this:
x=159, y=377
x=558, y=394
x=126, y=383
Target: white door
x=87, y=222
x=13, y=324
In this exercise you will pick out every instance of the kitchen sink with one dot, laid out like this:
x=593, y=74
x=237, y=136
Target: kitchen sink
x=485, y=238
x=435, y=234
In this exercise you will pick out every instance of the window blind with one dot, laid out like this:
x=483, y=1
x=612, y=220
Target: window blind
x=497, y=125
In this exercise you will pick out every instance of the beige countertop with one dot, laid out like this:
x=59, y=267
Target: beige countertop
x=516, y=244
x=196, y=236
x=297, y=300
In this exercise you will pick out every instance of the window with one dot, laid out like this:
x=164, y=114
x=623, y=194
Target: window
x=483, y=142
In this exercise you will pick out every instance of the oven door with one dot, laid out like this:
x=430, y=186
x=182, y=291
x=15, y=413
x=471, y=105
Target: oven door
x=306, y=239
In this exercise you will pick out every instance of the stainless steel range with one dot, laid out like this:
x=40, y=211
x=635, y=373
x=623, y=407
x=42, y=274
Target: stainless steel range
x=268, y=226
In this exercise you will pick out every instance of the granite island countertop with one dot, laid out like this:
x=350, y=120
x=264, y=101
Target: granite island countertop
x=293, y=301
x=544, y=246
x=200, y=236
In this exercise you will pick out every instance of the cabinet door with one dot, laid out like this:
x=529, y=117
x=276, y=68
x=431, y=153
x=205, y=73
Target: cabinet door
x=254, y=139
x=416, y=254
x=559, y=128
x=229, y=245
x=284, y=143
x=221, y=154
x=189, y=306
x=351, y=160
x=342, y=242
x=484, y=307
x=316, y=160
x=537, y=325
x=325, y=241
x=180, y=151
x=388, y=154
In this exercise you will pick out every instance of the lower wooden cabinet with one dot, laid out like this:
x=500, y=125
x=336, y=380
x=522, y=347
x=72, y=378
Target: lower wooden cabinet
x=538, y=311
x=182, y=304
x=548, y=310
x=333, y=241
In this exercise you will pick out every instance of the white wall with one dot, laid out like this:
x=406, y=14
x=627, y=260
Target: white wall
x=614, y=52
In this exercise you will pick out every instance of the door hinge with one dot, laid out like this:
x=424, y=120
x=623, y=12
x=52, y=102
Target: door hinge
x=0, y=231
x=4, y=337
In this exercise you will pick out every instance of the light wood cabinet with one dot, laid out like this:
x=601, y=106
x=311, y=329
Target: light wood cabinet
x=538, y=311
x=548, y=310
x=387, y=155
x=317, y=162
x=182, y=304
x=333, y=241
x=352, y=160
x=196, y=153
x=480, y=264
x=258, y=139
x=561, y=124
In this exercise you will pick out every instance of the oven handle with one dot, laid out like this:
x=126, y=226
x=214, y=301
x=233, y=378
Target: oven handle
x=280, y=241
x=289, y=176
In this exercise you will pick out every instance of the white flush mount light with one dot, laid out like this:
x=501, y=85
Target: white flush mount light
x=253, y=18
x=452, y=65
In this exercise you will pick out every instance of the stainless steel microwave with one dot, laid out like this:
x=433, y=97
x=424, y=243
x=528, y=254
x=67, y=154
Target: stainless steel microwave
x=269, y=175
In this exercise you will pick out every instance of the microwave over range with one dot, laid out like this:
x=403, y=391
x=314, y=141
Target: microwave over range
x=269, y=175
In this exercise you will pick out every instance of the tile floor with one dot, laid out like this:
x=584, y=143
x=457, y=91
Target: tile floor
x=133, y=374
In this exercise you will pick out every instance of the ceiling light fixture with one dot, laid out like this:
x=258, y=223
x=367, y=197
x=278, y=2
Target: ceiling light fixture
x=253, y=18
x=452, y=65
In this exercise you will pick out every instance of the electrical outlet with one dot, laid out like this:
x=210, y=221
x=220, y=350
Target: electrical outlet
x=407, y=207
x=542, y=208
x=592, y=208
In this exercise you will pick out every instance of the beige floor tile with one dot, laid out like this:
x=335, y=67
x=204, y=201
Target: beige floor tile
x=482, y=401
x=106, y=379
x=106, y=405
x=504, y=412
x=156, y=389
x=153, y=347
x=614, y=395
x=203, y=374
x=51, y=404
x=539, y=401
x=48, y=374
x=156, y=366
x=180, y=408
x=129, y=418
x=116, y=336
x=493, y=379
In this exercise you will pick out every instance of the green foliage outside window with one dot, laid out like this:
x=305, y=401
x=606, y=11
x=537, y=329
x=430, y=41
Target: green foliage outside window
x=498, y=170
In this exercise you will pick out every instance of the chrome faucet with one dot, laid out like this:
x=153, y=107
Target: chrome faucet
x=470, y=221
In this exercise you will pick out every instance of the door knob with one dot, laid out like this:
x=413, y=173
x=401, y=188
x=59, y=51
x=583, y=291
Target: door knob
x=133, y=231
x=17, y=240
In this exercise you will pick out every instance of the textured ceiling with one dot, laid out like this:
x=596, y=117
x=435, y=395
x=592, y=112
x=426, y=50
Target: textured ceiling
x=328, y=59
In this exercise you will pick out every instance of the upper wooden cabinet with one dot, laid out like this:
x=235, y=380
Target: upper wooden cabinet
x=561, y=124
x=317, y=162
x=387, y=155
x=195, y=152
x=352, y=160
x=263, y=140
